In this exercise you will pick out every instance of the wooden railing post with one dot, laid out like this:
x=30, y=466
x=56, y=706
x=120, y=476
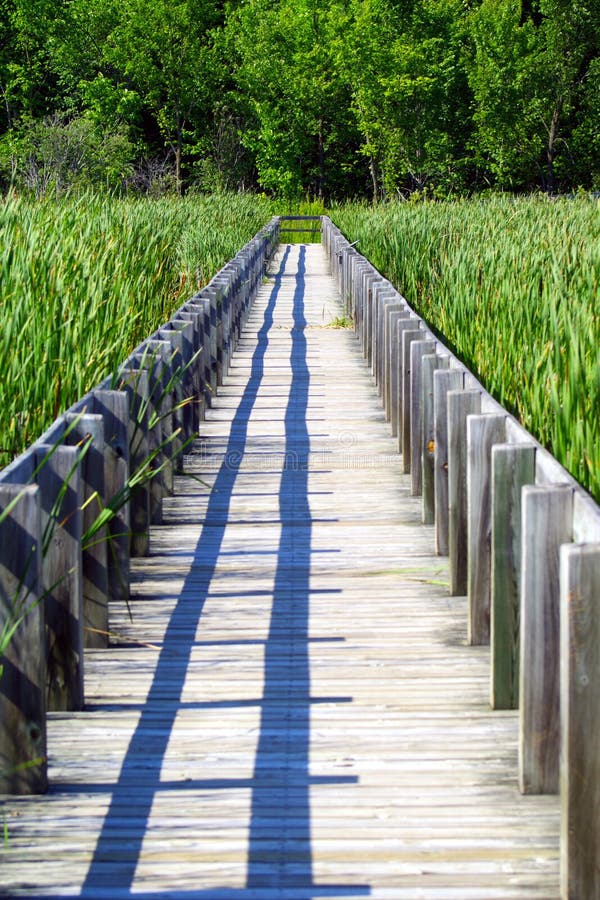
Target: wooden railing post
x=482, y=433
x=61, y=500
x=513, y=466
x=196, y=317
x=580, y=721
x=547, y=523
x=460, y=405
x=23, y=768
x=113, y=406
x=431, y=364
x=418, y=349
x=394, y=378
x=443, y=383
x=393, y=311
x=406, y=337
x=385, y=299
x=158, y=418
x=158, y=363
x=180, y=336
x=90, y=428
x=135, y=383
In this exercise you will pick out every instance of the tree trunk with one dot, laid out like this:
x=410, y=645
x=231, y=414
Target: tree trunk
x=551, y=147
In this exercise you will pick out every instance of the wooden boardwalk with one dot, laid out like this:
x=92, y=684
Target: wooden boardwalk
x=293, y=712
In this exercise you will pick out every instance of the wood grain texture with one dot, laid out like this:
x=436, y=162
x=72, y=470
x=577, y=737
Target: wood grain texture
x=513, y=466
x=407, y=336
x=418, y=349
x=443, y=382
x=482, y=433
x=61, y=499
x=89, y=428
x=431, y=364
x=23, y=767
x=292, y=712
x=461, y=404
x=580, y=725
x=547, y=514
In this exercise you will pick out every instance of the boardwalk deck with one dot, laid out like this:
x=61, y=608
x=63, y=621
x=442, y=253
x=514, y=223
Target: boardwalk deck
x=293, y=712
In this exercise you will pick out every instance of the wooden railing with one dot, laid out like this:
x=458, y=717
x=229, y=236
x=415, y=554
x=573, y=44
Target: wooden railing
x=78, y=504
x=523, y=540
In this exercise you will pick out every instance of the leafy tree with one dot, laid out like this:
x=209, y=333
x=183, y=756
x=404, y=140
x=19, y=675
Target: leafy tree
x=410, y=94
x=299, y=125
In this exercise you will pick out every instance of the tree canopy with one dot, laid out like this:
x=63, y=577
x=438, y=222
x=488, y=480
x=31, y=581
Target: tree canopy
x=324, y=98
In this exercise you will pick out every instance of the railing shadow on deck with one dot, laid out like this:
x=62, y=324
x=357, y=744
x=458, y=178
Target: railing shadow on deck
x=276, y=862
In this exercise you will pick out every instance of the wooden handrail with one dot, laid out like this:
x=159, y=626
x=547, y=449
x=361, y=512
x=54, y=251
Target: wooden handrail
x=524, y=544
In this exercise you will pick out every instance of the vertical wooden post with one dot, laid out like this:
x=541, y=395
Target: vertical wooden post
x=393, y=311
x=23, y=679
x=203, y=304
x=196, y=317
x=394, y=375
x=443, y=383
x=431, y=363
x=94, y=555
x=482, y=433
x=62, y=518
x=460, y=405
x=407, y=337
x=180, y=336
x=135, y=383
x=418, y=349
x=547, y=523
x=404, y=324
x=580, y=721
x=164, y=394
x=158, y=418
x=513, y=466
x=113, y=406
x=387, y=300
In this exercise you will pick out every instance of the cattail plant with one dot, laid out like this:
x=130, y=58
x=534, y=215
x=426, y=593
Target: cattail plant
x=512, y=287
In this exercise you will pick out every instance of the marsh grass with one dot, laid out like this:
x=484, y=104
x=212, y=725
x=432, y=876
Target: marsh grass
x=512, y=287
x=84, y=281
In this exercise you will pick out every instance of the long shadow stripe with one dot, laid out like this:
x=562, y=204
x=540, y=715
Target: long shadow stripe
x=148, y=745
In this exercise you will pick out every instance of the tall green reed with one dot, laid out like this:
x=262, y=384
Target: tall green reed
x=83, y=281
x=512, y=286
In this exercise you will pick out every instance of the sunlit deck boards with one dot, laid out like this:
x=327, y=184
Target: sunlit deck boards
x=293, y=712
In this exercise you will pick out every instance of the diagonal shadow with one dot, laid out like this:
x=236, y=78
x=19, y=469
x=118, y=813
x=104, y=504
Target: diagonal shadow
x=281, y=776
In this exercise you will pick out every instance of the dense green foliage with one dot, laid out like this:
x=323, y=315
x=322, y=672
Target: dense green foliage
x=326, y=98
x=85, y=281
x=513, y=286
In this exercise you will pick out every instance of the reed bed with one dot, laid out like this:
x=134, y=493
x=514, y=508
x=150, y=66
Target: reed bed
x=512, y=286
x=84, y=281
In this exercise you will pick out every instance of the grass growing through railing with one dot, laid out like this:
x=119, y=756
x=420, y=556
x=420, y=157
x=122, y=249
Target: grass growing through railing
x=512, y=285
x=84, y=281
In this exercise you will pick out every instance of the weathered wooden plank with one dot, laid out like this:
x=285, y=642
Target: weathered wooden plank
x=113, y=406
x=430, y=364
x=406, y=337
x=134, y=382
x=443, y=382
x=482, y=433
x=23, y=766
x=393, y=312
x=88, y=430
x=418, y=349
x=547, y=523
x=461, y=404
x=61, y=500
x=513, y=466
x=580, y=723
